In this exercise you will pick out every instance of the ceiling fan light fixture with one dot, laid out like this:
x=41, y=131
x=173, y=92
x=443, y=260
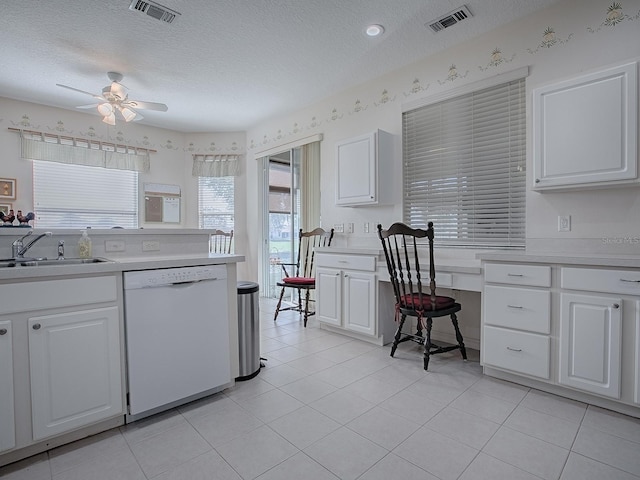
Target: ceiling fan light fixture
x=110, y=119
x=127, y=114
x=105, y=109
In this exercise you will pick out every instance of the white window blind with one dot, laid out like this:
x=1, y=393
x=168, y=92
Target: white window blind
x=464, y=167
x=216, y=202
x=79, y=196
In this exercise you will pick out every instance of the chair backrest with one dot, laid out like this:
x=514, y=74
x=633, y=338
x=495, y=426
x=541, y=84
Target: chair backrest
x=220, y=242
x=307, y=244
x=401, y=253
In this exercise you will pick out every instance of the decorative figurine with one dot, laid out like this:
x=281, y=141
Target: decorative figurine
x=7, y=220
x=24, y=220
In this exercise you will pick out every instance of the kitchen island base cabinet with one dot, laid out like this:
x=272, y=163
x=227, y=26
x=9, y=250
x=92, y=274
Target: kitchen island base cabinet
x=66, y=354
x=74, y=361
x=7, y=420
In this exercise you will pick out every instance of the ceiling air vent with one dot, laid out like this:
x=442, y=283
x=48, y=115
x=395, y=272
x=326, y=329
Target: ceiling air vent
x=450, y=19
x=154, y=10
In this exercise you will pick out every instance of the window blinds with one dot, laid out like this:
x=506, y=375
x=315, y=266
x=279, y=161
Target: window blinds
x=464, y=167
x=78, y=196
x=216, y=202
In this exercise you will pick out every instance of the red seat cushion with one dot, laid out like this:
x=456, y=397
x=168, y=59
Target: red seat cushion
x=441, y=302
x=299, y=280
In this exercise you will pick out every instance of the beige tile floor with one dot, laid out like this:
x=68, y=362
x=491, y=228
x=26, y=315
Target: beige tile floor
x=330, y=407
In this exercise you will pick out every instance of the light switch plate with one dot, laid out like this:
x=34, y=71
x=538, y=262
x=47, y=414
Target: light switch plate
x=338, y=228
x=564, y=223
x=350, y=227
x=114, y=246
x=150, y=245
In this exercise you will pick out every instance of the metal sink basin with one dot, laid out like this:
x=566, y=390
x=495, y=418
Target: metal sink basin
x=43, y=262
x=66, y=261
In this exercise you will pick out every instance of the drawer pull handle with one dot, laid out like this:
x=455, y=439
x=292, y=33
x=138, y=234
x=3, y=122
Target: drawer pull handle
x=616, y=306
x=3, y=331
x=515, y=306
x=36, y=326
x=629, y=281
x=514, y=349
x=515, y=275
x=343, y=261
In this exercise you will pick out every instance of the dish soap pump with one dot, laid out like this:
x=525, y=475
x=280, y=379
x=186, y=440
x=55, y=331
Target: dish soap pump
x=84, y=245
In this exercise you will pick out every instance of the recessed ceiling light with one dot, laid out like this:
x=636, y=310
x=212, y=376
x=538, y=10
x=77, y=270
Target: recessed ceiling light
x=375, y=30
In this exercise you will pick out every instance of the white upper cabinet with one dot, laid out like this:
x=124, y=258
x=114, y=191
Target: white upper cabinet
x=585, y=131
x=364, y=170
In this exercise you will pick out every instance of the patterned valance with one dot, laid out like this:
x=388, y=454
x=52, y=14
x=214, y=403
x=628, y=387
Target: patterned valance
x=215, y=166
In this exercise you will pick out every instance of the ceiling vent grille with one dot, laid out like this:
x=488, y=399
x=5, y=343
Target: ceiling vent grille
x=154, y=10
x=451, y=18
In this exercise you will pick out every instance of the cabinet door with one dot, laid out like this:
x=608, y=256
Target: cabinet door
x=360, y=302
x=590, y=341
x=7, y=421
x=75, y=369
x=585, y=129
x=329, y=295
x=356, y=170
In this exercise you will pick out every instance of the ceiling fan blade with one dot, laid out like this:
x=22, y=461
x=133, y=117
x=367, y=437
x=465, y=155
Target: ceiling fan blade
x=81, y=91
x=91, y=105
x=160, y=107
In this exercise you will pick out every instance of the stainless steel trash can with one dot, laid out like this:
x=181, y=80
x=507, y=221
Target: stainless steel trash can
x=248, y=329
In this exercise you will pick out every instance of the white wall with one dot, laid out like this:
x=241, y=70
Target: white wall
x=583, y=42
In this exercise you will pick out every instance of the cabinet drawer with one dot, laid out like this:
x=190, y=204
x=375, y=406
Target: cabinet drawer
x=516, y=274
x=346, y=262
x=597, y=280
x=521, y=308
x=521, y=352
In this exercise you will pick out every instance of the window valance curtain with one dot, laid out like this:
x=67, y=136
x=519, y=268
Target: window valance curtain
x=78, y=151
x=215, y=165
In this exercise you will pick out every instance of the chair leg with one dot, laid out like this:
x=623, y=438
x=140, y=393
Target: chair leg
x=278, y=306
x=427, y=343
x=396, y=339
x=463, y=350
x=299, y=301
x=306, y=307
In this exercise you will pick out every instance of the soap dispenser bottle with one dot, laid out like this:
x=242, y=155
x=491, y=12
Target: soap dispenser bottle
x=84, y=245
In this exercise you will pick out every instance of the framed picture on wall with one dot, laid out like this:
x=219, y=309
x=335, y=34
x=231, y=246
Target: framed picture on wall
x=4, y=208
x=7, y=188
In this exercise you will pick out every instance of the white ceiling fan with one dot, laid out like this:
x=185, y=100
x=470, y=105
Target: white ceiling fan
x=114, y=98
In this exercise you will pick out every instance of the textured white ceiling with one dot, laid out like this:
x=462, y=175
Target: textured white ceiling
x=223, y=65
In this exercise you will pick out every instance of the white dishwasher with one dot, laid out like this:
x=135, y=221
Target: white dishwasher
x=177, y=336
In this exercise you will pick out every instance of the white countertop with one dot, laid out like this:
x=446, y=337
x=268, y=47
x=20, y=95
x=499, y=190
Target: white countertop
x=150, y=262
x=597, y=260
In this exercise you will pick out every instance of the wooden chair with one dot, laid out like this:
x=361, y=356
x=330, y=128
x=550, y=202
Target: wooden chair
x=303, y=278
x=220, y=242
x=401, y=253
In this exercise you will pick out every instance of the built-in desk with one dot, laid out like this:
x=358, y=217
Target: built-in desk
x=354, y=294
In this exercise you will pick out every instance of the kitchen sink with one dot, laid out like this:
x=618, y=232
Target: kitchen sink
x=43, y=262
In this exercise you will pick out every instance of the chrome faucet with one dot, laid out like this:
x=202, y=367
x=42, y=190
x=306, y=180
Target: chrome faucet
x=18, y=249
x=61, y=250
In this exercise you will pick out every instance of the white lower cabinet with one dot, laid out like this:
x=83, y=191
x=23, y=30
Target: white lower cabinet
x=60, y=361
x=74, y=361
x=359, y=302
x=7, y=419
x=581, y=336
x=350, y=299
x=347, y=299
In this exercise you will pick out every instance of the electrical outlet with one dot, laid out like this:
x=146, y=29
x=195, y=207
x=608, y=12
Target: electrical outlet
x=150, y=245
x=366, y=227
x=338, y=228
x=350, y=227
x=114, y=246
x=564, y=223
